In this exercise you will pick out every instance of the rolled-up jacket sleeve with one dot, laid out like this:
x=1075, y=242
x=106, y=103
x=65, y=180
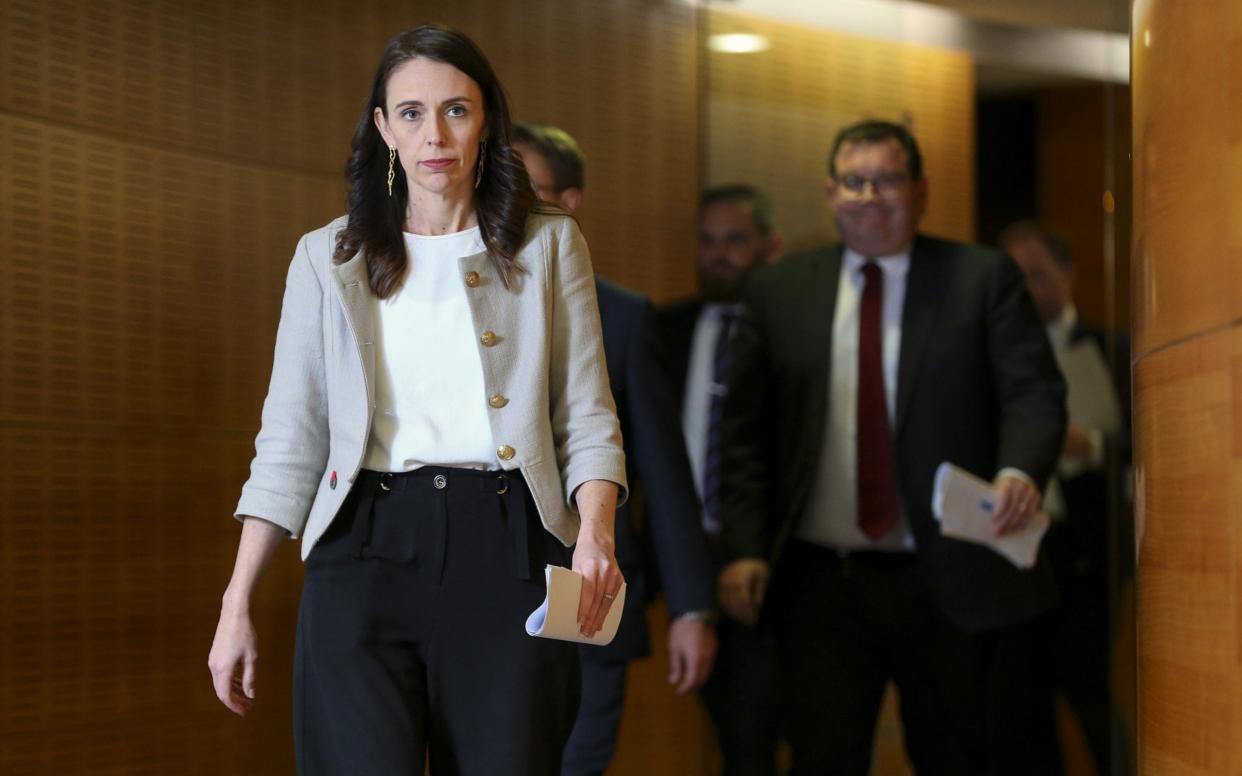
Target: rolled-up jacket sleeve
x=291, y=449
x=585, y=430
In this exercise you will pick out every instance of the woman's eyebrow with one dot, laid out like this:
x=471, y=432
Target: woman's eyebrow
x=419, y=103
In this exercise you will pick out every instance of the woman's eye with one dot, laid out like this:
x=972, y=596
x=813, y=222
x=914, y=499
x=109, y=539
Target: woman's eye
x=409, y=114
x=457, y=110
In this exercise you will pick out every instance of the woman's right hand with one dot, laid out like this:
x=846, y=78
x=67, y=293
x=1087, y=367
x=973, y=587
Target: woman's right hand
x=234, y=652
x=235, y=648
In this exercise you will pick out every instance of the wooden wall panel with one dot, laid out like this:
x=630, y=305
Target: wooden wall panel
x=772, y=116
x=1075, y=157
x=1186, y=170
x=1188, y=385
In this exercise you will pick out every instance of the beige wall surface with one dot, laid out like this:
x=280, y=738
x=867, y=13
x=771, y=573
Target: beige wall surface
x=770, y=118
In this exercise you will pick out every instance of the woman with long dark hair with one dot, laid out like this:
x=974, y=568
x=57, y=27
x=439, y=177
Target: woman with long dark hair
x=438, y=427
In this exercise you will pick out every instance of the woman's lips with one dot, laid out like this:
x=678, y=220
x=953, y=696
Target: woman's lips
x=438, y=164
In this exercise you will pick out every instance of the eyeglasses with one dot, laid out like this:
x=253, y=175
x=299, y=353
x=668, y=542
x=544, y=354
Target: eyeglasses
x=886, y=184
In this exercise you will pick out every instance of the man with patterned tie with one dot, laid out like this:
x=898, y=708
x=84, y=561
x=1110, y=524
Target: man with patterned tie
x=857, y=370
x=736, y=236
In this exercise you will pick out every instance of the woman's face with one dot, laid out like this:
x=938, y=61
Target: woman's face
x=435, y=121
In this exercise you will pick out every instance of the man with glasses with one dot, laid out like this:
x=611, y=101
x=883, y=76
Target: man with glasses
x=857, y=370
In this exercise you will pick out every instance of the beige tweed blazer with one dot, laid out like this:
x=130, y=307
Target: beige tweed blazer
x=544, y=367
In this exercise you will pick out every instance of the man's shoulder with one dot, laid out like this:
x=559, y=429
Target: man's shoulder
x=684, y=307
x=1101, y=335
x=795, y=266
x=955, y=250
x=611, y=292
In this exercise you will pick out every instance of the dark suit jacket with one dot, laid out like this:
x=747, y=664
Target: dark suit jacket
x=656, y=459
x=675, y=324
x=977, y=385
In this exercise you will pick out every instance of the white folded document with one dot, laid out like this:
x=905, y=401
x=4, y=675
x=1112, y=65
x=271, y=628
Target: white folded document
x=963, y=504
x=557, y=616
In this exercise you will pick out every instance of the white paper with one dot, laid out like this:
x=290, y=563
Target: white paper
x=1092, y=399
x=557, y=616
x=963, y=504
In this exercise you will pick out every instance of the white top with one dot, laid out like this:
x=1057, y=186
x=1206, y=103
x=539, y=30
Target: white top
x=430, y=398
x=831, y=516
x=696, y=404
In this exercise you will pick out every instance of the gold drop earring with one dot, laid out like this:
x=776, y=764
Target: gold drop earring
x=392, y=160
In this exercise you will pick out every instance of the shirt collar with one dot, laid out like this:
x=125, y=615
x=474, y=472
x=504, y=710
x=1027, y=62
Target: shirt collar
x=1062, y=328
x=894, y=266
x=717, y=309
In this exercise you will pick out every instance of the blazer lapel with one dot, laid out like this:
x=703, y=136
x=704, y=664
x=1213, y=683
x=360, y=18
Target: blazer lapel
x=354, y=291
x=924, y=292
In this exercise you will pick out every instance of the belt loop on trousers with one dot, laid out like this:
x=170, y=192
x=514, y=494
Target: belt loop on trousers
x=364, y=514
x=516, y=513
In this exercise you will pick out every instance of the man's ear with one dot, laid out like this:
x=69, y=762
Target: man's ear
x=570, y=198
x=774, y=247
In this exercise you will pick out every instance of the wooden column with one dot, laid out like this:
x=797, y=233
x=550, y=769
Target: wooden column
x=1187, y=249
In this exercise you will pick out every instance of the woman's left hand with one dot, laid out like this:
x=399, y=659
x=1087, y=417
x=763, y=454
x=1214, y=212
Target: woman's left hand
x=595, y=554
x=596, y=561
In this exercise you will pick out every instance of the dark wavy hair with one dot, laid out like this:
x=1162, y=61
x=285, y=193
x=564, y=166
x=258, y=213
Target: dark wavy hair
x=873, y=131
x=502, y=201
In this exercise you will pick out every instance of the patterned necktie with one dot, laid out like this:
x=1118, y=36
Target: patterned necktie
x=877, y=481
x=712, y=466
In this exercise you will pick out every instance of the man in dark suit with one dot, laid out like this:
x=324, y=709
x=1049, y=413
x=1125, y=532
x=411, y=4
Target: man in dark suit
x=736, y=237
x=1086, y=498
x=657, y=463
x=858, y=369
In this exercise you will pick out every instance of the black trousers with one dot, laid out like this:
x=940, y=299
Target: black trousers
x=1081, y=644
x=593, y=741
x=411, y=643
x=847, y=625
x=741, y=699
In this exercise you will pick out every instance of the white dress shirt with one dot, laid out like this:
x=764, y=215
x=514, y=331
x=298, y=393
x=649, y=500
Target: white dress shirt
x=430, y=399
x=696, y=404
x=831, y=516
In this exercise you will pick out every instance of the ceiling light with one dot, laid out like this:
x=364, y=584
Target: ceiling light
x=738, y=43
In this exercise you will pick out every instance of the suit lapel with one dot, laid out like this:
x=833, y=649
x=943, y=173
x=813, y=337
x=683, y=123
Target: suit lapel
x=354, y=290
x=822, y=303
x=817, y=325
x=681, y=342
x=925, y=288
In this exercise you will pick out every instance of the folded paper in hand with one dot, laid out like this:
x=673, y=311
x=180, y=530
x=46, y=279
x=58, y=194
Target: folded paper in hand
x=963, y=504
x=557, y=616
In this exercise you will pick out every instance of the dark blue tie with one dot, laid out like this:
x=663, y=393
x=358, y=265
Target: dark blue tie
x=712, y=466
